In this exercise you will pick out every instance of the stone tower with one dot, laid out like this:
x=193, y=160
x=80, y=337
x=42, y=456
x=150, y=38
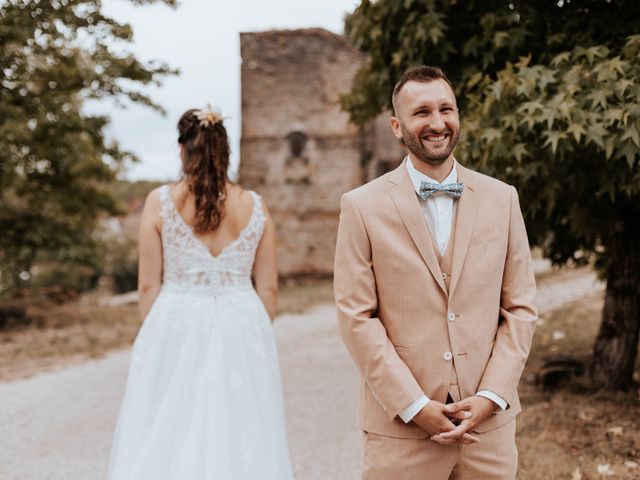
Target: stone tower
x=298, y=149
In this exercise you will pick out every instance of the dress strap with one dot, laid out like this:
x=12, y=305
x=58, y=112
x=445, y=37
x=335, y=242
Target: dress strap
x=258, y=211
x=165, y=202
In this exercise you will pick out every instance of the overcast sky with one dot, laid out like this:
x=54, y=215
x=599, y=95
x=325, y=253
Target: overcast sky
x=201, y=38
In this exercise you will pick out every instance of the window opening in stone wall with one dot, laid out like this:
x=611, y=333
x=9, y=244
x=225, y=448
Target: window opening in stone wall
x=296, y=165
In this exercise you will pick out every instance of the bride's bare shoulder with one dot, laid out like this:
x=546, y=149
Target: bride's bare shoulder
x=154, y=200
x=239, y=200
x=238, y=194
x=247, y=199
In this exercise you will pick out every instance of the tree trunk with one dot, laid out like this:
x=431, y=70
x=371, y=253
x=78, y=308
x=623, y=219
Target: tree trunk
x=616, y=347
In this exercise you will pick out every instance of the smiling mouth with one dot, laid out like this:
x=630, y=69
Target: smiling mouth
x=435, y=138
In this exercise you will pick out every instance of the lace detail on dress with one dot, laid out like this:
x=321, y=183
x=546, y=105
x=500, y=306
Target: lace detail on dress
x=189, y=266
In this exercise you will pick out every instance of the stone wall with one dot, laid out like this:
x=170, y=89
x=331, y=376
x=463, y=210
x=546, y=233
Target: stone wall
x=298, y=149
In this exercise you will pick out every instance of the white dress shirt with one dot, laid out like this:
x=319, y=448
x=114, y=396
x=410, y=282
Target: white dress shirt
x=439, y=211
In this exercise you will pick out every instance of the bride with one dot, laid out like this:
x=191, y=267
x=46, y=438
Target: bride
x=203, y=397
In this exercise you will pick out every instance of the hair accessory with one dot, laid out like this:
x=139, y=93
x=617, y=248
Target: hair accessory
x=208, y=116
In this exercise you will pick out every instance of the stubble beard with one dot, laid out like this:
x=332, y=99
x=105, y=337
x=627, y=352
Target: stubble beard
x=414, y=145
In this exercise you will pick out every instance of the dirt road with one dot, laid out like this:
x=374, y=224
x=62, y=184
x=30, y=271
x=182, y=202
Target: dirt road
x=58, y=425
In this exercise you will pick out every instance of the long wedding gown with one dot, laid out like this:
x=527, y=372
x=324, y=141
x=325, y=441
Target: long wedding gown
x=203, y=399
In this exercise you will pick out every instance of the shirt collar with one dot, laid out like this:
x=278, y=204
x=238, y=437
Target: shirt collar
x=418, y=177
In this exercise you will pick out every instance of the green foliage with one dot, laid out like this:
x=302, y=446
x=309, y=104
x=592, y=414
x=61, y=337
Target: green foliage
x=63, y=281
x=470, y=38
x=120, y=264
x=568, y=139
x=125, y=277
x=55, y=165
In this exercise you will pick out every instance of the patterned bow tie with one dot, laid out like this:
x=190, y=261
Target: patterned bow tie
x=454, y=190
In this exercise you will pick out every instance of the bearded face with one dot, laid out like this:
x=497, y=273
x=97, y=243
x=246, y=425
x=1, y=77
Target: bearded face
x=427, y=120
x=429, y=146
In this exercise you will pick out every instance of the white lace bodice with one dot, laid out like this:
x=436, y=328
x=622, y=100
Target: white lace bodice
x=190, y=267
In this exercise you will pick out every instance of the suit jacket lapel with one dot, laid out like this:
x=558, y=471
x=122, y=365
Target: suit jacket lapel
x=404, y=196
x=465, y=222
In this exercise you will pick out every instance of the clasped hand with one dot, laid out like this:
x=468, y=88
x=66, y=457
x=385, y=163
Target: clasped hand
x=438, y=419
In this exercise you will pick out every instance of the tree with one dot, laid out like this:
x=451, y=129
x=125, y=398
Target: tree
x=552, y=105
x=567, y=135
x=55, y=164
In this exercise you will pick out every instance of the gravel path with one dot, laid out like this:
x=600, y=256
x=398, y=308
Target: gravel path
x=58, y=425
x=556, y=294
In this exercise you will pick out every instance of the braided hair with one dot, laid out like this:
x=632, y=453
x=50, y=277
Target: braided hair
x=205, y=161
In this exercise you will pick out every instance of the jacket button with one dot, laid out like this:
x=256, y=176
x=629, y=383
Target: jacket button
x=447, y=356
x=451, y=316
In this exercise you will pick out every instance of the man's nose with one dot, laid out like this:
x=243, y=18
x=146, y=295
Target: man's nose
x=436, y=122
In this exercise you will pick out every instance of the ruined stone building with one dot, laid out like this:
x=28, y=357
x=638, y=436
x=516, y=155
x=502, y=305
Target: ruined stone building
x=298, y=149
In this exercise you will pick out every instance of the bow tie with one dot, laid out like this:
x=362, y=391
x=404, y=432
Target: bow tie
x=428, y=189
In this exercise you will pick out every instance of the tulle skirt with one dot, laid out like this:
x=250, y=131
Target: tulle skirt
x=203, y=398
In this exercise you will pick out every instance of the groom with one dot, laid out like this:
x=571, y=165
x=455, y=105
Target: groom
x=435, y=295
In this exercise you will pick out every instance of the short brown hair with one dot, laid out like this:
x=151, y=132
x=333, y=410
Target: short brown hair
x=422, y=74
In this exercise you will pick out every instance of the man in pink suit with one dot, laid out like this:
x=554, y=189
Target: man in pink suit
x=435, y=294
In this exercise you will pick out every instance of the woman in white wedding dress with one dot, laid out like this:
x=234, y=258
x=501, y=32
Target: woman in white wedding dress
x=203, y=399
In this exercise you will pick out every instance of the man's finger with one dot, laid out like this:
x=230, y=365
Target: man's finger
x=465, y=439
x=457, y=432
x=454, y=407
x=460, y=415
x=468, y=439
x=442, y=441
x=446, y=426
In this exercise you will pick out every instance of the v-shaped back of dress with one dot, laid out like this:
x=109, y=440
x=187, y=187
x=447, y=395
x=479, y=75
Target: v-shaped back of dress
x=190, y=267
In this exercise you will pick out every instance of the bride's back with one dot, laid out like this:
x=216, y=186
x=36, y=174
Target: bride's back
x=205, y=235
x=238, y=207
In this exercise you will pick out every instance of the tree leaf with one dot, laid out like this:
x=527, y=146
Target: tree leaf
x=598, y=98
x=553, y=137
x=631, y=158
x=577, y=130
x=618, y=65
x=623, y=84
x=530, y=107
x=631, y=132
x=633, y=40
x=496, y=89
x=609, y=146
x=520, y=151
x=490, y=135
x=548, y=115
x=474, y=80
x=560, y=58
x=612, y=115
x=500, y=39
x=595, y=133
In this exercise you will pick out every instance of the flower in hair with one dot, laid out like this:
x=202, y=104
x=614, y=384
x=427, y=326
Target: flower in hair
x=208, y=116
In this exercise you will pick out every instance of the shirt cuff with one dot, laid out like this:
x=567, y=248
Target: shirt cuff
x=494, y=398
x=412, y=410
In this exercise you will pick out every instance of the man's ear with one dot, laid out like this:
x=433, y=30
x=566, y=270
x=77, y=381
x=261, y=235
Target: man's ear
x=395, y=126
